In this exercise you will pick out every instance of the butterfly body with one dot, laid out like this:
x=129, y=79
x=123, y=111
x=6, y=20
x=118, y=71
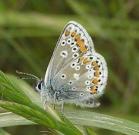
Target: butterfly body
x=76, y=72
x=81, y=98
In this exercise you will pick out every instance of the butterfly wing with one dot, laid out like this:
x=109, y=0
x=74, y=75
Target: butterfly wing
x=76, y=70
x=72, y=34
x=89, y=74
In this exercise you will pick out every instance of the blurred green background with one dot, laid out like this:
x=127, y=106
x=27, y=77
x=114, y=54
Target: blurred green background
x=29, y=30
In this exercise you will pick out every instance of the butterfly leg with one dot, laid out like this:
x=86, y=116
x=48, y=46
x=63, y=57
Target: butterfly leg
x=45, y=105
x=55, y=94
x=62, y=107
x=62, y=102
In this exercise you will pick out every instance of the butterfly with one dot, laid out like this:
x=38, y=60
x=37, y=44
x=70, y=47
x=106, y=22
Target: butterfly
x=76, y=73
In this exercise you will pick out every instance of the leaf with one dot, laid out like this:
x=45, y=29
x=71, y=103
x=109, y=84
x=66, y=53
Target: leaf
x=90, y=131
x=20, y=100
x=32, y=110
x=82, y=118
x=2, y=132
x=7, y=118
x=91, y=119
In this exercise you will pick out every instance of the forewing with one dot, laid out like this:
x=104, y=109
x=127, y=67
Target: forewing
x=75, y=65
x=73, y=40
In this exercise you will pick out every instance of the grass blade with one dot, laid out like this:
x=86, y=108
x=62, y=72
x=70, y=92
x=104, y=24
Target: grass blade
x=33, y=111
x=2, y=132
x=7, y=118
x=18, y=99
x=87, y=118
x=82, y=118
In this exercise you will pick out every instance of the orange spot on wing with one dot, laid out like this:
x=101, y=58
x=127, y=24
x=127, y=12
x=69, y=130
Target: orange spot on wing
x=93, y=90
x=81, y=45
x=77, y=37
x=94, y=64
x=95, y=81
x=96, y=74
x=83, y=49
x=67, y=33
x=85, y=61
x=96, y=68
x=73, y=34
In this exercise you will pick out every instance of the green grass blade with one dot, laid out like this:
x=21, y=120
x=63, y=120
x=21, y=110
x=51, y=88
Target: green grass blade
x=20, y=100
x=7, y=118
x=33, y=111
x=82, y=118
x=90, y=131
x=103, y=121
x=2, y=132
x=41, y=118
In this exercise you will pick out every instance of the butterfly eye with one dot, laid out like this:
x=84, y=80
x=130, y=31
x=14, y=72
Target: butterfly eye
x=64, y=54
x=88, y=66
x=39, y=86
x=75, y=49
x=87, y=82
x=63, y=76
x=75, y=55
x=77, y=68
x=63, y=43
x=73, y=65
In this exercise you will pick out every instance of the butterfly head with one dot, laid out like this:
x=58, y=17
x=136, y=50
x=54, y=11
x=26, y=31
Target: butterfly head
x=40, y=85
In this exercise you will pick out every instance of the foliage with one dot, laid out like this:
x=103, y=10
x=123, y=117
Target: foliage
x=29, y=30
x=20, y=99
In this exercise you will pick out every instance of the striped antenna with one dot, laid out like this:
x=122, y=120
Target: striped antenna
x=28, y=76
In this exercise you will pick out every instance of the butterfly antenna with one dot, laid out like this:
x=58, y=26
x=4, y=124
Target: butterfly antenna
x=29, y=76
